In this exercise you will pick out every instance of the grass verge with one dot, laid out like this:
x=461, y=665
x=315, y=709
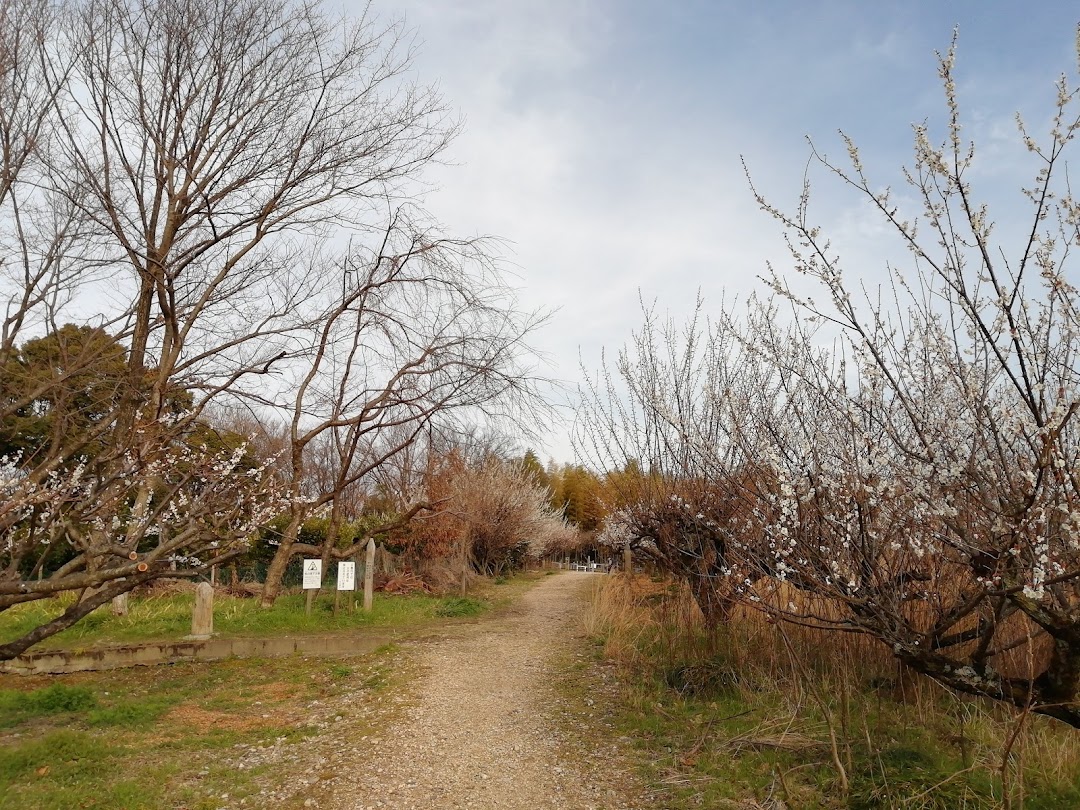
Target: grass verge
x=168, y=617
x=169, y=737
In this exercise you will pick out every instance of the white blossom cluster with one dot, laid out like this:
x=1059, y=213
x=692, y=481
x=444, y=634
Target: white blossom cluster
x=168, y=502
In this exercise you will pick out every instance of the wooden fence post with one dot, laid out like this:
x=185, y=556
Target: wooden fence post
x=369, y=575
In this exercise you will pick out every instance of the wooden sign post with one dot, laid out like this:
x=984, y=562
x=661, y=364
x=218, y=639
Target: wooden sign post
x=312, y=581
x=346, y=581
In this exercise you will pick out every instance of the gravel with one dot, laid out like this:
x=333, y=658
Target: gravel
x=480, y=723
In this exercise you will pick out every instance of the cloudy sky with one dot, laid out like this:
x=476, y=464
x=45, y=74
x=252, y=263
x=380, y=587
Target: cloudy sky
x=603, y=139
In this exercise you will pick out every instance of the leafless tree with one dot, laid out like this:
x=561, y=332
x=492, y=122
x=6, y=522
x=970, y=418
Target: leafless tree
x=423, y=334
x=504, y=517
x=228, y=190
x=667, y=419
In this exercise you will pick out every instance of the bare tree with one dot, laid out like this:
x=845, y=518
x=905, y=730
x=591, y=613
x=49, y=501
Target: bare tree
x=205, y=143
x=666, y=419
x=220, y=188
x=503, y=517
x=423, y=334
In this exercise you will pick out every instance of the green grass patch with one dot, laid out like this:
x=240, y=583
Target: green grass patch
x=165, y=737
x=18, y=706
x=340, y=671
x=918, y=773
x=458, y=606
x=130, y=714
x=61, y=755
x=78, y=704
x=64, y=769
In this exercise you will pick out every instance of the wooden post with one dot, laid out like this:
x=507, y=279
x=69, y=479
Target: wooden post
x=202, y=618
x=628, y=559
x=369, y=575
x=359, y=563
x=120, y=605
x=309, y=600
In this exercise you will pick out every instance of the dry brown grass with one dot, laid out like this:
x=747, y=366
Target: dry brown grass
x=650, y=616
x=203, y=720
x=820, y=696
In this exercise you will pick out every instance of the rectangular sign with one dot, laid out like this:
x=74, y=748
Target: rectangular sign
x=312, y=574
x=346, y=576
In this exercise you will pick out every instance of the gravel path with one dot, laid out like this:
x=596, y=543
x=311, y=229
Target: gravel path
x=483, y=726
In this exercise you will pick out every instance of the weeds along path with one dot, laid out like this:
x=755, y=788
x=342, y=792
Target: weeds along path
x=488, y=722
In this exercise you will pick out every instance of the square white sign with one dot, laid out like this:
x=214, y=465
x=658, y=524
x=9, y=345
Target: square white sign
x=312, y=574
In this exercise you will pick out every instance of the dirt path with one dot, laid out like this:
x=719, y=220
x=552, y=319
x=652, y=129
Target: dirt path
x=483, y=725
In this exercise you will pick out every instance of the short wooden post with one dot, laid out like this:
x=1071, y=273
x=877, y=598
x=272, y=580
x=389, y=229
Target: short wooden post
x=202, y=618
x=120, y=605
x=369, y=575
x=628, y=560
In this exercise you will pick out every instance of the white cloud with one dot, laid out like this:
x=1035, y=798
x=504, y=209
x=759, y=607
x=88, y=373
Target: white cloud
x=611, y=169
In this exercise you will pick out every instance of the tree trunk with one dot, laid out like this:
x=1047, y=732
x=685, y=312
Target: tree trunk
x=120, y=605
x=276, y=572
x=715, y=607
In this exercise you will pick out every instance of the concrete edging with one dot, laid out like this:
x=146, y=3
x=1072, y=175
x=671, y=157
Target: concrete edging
x=119, y=656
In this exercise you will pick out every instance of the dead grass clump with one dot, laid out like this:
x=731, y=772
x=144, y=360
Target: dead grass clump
x=444, y=576
x=620, y=613
x=405, y=583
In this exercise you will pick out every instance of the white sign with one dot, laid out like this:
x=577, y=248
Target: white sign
x=312, y=574
x=346, y=576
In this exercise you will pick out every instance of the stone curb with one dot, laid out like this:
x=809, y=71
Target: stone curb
x=118, y=656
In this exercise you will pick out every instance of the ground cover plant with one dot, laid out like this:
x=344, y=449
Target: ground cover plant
x=758, y=711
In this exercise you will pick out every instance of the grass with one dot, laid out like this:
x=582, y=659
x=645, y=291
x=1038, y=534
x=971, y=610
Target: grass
x=17, y=706
x=460, y=606
x=168, y=617
x=744, y=717
x=163, y=737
